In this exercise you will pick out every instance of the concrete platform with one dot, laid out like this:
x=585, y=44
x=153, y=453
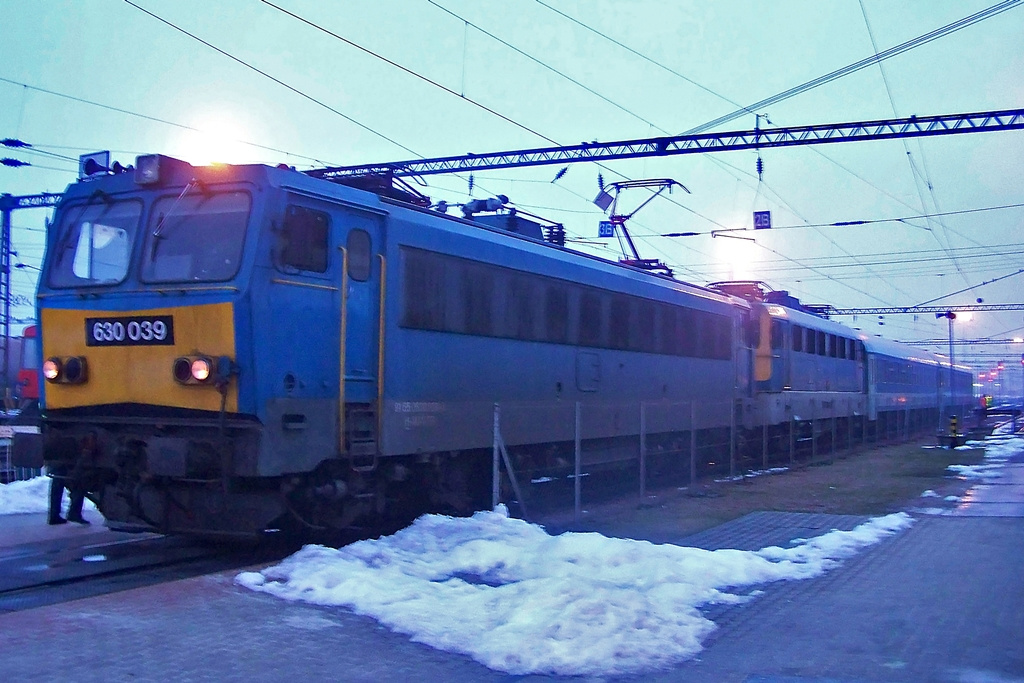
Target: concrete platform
x=942, y=601
x=18, y=530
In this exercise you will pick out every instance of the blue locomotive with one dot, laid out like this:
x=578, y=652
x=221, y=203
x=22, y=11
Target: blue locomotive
x=231, y=349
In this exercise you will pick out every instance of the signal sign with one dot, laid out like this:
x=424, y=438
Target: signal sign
x=762, y=220
x=606, y=229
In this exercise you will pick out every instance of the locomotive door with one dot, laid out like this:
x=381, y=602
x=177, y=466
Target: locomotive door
x=362, y=343
x=316, y=332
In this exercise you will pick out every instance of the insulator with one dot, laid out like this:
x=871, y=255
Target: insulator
x=600, y=182
x=470, y=184
x=760, y=168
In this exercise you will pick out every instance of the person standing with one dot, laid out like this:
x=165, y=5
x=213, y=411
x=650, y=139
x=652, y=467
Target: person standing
x=70, y=473
x=60, y=479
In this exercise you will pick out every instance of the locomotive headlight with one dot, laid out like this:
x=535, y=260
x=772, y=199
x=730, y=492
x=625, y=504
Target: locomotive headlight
x=192, y=370
x=201, y=369
x=75, y=370
x=147, y=169
x=51, y=369
x=67, y=370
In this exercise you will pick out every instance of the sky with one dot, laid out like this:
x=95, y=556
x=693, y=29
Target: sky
x=517, y=599
x=553, y=70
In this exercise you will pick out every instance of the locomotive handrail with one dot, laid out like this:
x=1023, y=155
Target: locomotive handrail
x=341, y=351
x=278, y=281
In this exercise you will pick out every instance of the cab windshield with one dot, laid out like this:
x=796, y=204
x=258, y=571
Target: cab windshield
x=95, y=243
x=195, y=237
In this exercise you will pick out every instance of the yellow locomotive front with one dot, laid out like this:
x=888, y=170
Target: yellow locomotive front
x=160, y=357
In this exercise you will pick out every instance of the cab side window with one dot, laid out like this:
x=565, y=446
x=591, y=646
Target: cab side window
x=304, y=240
x=359, y=255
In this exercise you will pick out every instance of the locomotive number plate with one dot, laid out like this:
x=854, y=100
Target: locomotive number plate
x=138, y=330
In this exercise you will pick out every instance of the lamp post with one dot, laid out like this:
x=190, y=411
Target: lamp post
x=950, y=316
x=1021, y=390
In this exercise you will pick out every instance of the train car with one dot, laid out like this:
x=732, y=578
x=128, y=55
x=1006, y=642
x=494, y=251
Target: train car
x=27, y=381
x=914, y=385
x=809, y=368
x=234, y=349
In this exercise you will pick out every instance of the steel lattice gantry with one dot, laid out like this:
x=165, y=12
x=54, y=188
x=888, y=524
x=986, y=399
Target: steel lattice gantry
x=829, y=311
x=914, y=126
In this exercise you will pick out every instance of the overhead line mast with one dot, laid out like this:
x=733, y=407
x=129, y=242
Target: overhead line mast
x=784, y=136
x=9, y=203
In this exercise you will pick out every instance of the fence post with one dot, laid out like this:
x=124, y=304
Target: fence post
x=732, y=439
x=576, y=483
x=833, y=431
x=764, y=444
x=693, y=443
x=792, y=440
x=495, y=486
x=643, y=451
x=814, y=430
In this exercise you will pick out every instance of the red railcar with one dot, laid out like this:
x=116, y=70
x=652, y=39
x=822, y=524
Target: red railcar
x=27, y=391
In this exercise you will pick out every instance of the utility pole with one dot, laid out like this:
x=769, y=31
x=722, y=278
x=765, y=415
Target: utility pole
x=950, y=316
x=8, y=203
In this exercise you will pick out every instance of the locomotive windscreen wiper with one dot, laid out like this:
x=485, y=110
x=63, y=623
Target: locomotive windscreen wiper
x=162, y=221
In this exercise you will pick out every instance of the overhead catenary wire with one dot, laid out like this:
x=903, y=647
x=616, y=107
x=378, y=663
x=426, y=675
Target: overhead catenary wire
x=147, y=117
x=923, y=39
x=760, y=184
x=296, y=16
x=906, y=145
x=265, y=74
x=462, y=97
x=588, y=200
x=724, y=165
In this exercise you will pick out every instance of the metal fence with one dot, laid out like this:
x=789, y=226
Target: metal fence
x=676, y=443
x=8, y=472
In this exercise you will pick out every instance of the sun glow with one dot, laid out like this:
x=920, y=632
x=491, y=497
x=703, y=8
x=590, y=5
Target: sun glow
x=739, y=252
x=215, y=141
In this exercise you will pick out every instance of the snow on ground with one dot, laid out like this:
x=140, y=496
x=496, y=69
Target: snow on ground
x=999, y=447
x=519, y=600
x=31, y=496
x=752, y=474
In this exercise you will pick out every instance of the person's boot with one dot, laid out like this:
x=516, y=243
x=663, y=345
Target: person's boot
x=75, y=509
x=53, y=521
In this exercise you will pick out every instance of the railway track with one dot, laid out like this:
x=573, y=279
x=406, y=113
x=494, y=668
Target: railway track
x=44, y=573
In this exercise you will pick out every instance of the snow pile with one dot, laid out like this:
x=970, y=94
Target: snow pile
x=30, y=496
x=20, y=497
x=1000, y=448
x=518, y=600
